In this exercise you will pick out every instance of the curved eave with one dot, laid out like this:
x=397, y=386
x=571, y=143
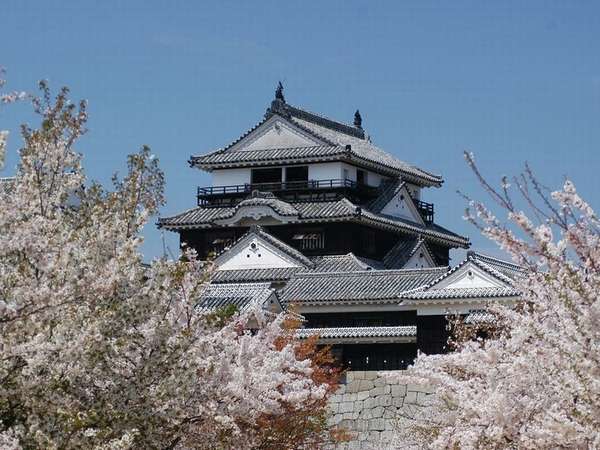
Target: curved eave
x=452, y=241
x=424, y=180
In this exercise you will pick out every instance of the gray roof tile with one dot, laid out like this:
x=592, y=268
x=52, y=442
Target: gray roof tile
x=338, y=210
x=365, y=150
x=507, y=268
x=400, y=253
x=335, y=135
x=242, y=296
x=223, y=158
x=358, y=332
x=355, y=287
x=339, y=263
x=459, y=293
x=254, y=275
x=386, y=192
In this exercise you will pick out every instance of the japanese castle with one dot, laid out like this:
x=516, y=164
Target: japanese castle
x=306, y=211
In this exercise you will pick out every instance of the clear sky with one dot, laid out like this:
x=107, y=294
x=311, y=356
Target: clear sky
x=510, y=81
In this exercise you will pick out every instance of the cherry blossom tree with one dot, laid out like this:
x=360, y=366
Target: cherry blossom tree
x=535, y=382
x=97, y=349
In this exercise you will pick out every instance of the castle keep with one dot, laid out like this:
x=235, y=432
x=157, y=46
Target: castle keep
x=306, y=210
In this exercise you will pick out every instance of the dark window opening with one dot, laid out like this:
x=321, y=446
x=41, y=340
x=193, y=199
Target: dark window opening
x=370, y=242
x=378, y=356
x=360, y=319
x=271, y=175
x=309, y=241
x=299, y=173
x=361, y=177
x=217, y=244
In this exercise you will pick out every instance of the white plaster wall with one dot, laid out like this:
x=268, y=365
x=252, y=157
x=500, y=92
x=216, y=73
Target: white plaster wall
x=373, y=179
x=278, y=135
x=418, y=260
x=469, y=276
x=325, y=171
x=399, y=207
x=319, y=171
x=261, y=256
x=227, y=177
x=415, y=191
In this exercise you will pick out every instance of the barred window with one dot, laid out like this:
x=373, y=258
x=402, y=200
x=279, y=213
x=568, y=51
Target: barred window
x=310, y=241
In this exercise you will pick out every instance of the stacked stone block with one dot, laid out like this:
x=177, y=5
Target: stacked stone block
x=368, y=405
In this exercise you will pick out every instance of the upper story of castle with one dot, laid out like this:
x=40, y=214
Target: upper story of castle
x=306, y=171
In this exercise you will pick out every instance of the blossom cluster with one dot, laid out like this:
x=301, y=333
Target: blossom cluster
x=97, y=349
x=536, y=384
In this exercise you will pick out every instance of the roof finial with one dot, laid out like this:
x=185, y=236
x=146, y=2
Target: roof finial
x=279, y=92
x=357, y=119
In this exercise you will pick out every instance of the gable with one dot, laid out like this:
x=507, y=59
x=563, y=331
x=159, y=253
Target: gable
x=276, y=133
x=421, y=258
x=470, y=276
x=255, y=252
x=401, y=205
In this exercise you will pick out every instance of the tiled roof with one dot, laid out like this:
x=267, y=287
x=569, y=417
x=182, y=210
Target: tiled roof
x=339, y=263
x=358, y=332
x=507, y=268
x=338, y=210
x=330, y=263
x=254, y=275
x=223, y=158
x=363, y=149
x=479, y=316
x=241, y=296
x=458, y=293
x=400, y=253
x=266, y=199
x=470, y=258
x=386, y=192
x=355, y=287
x=340, y=142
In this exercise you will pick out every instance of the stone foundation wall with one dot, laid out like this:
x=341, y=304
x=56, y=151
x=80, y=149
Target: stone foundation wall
x=368, y=405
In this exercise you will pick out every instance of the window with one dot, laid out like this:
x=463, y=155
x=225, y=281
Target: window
x=309, y=241
x=219, y=243
x=299, y=173
x=361, y=177
x=271, y=175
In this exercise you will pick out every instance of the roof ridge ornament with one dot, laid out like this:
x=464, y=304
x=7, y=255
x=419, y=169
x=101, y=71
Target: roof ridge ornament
x=357, y=120
x=279, y=92
x=278, y=105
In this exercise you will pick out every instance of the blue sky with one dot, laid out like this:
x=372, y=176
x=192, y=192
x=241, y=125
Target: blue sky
x=510, y=81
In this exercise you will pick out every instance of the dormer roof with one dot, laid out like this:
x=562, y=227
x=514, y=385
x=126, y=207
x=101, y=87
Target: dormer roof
x=474, y=278
x=342, y=210
x=253, y=241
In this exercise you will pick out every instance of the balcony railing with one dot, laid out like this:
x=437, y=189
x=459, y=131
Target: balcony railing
x=207, y=194
x=425, y=209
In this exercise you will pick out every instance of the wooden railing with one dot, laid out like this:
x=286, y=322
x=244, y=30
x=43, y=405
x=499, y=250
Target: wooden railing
x=210, y=191
x=425, y=209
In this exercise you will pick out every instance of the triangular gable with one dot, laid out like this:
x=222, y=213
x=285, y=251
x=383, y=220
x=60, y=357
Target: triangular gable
x=420, y=257
x=259, y=250
x=469, y=275
x=402, y=205
x=276, y=132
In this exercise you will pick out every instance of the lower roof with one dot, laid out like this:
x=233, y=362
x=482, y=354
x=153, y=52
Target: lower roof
x=358, y=332
x=342, y=210
x=358, y=287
